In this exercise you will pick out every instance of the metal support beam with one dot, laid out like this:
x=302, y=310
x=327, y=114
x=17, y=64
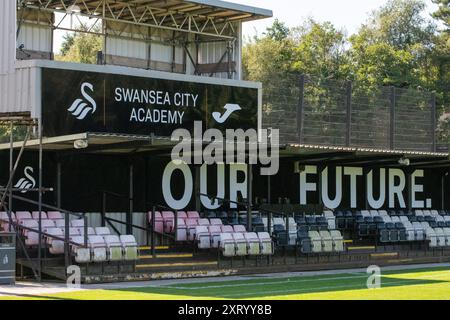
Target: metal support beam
x=129, y=218
x=249, y=196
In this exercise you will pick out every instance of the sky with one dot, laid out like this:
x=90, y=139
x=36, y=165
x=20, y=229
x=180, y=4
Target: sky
x=347, y=14
x=344, y=14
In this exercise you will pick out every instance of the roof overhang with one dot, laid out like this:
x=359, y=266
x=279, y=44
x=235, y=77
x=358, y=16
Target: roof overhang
x=123, y=144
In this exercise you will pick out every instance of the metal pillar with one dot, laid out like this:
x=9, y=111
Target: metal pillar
x=300, y=111
x=129, y=228
x=40, y=202
x=392, y=120
x=249, y=196
x=349, y=113
x=11, y=159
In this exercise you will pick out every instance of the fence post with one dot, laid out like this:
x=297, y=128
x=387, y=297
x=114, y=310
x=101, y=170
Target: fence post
x=433, y=122
x=392, y=119
x=300, y=111
x=349, y=89
x=153, y=232
x=103, y=208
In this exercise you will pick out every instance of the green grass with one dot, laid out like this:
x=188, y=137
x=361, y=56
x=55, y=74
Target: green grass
x=409, y=284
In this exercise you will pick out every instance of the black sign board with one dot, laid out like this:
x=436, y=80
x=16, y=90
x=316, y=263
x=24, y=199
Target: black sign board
x=78, y=101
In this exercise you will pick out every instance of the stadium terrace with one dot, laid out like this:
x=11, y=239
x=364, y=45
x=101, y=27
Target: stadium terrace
x=91, y=192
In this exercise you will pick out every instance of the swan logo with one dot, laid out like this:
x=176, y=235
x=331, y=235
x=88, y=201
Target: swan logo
x=79, y=108
x=229, y=109
x=26, y=183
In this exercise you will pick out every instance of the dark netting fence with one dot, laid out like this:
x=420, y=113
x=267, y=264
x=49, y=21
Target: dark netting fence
x=313, y=111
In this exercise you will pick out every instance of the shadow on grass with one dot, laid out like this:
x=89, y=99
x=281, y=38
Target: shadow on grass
x=271, y=287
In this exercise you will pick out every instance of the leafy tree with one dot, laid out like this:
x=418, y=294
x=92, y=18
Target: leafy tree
x=443, y=13
x=81, y=47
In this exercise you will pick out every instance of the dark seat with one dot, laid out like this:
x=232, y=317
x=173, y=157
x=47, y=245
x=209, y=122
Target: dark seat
x=258, y=224
x=303, y=228
x=300, y=220
x=433, y=224
x=412, y=218
x=311, y=220
x=378, y=219
x=420, y=218
x=281, y=236
x=363, y=229
x=211, y=215
x=429, y=219
x=322, y=221
x=442, y=224
x=304, y=242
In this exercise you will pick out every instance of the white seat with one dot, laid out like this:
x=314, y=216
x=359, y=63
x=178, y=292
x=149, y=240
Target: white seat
x=365, y=213
x=440, y=235
x=266, y=243
x=203, y=237
x=227, y=245
x=77, y=223
x=54, y=215
x=90, y=231
x=418, y=213
x=338, y=241
x=316, y=241
x=216, y=222
x=327, y=241
x=387, y=219
x=431, y=236
x=410, y=233
x=419, y=231
x=253, y=246
x=23, y=215
x=427, y=213
x=447, y=236
x=31, y=238
x=55, y=246
x=434, y=213
x=279, y=221
x=374, y=213
x=82, y=255
x=181, y=230
x=383, y=213
x=102, y=231
x=130, y=247
x=98, y=248
x=395, y=219
x=404, y=219
x=114, y=247
x=241, y=244
x=214, y=233
x=35, y=215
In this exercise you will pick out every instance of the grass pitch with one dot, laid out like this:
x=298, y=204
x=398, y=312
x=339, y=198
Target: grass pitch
x=414, y=284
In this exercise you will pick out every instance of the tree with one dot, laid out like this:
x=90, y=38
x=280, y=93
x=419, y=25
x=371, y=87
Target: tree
x=81, y=47
x=443, y=12
x=278, y=31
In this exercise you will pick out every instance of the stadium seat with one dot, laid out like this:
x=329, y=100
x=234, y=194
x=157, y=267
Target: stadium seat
x=35, y=215
x=113, y=248
x=383, y=233
x=130, y=247
x=227, y=245
x=258, y=225
x=316, y=241
x=23, y=215
x=216, y=222
x=419, y=231
x=60, y=223
x=81, y=254
x=168, y=221
x=402, y=235
x=418, y=213
x=80, y=231
x=203, y=237
x=327, y=241
x=54, y=215
x=46, y=224
x=227, y=229
x=4, y=220
x=239, y=229
x=193, y=215
x=191, y=224
x=253, y=246
x=215, y=232
x=338, y=241
x=77, y=223
x=98, y=248
x=431, y=237
x=55, y=246
x=31, y=238
x=158, y=223
x=281, y=236
x=266, y=243
x=102, y=231
x=241, y=244
x=441, y=239
x=304, y=242
x=181, y=230
x=182, y=215
x=447, y=236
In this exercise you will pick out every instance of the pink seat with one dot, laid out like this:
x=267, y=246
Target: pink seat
x=90, y=231
x=98, y=248
x=168, y=220
x=159, y=222
x=193, y=215
x=227, y=229
x=54, y=215
x=216, y=222
x=23, y=215
x=204, y=222
x=31, y=238
x=60, y=223
x=215, y=232
x=47, y=224
x=239, y=229
x=182, y=215
x=35, y=215
x=55, y=246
